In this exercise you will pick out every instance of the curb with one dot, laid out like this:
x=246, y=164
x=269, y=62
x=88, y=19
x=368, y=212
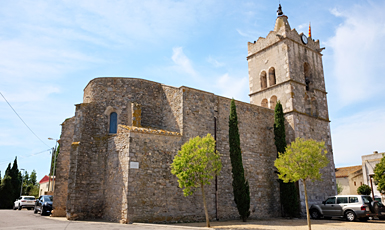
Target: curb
x=171, y=226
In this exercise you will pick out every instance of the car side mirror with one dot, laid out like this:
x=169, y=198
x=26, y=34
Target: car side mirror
x=323, y=202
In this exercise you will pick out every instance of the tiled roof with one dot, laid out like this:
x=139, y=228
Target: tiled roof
x=45, y=179
x=346, y=171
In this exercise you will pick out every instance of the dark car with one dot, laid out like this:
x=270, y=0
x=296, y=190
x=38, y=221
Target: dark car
x=381, y=209
x=43, y=205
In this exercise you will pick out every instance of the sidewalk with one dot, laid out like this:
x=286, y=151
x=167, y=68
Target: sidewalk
x=289, y=224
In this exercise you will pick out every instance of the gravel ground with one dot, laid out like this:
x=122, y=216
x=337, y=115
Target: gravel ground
x=292, y=224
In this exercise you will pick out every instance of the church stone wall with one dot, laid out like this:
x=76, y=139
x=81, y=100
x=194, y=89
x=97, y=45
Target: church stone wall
x=100, y=177
x=62, y=168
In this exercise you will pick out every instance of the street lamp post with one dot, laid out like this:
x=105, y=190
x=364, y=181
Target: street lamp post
x=54, y=164
x=21, y=189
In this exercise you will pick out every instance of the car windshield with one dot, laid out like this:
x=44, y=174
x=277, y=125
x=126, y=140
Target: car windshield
x=29, y=198
x=48, y=198
x=367, y=199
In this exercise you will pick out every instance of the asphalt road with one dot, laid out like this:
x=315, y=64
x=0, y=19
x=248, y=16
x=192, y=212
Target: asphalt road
x=25, y=219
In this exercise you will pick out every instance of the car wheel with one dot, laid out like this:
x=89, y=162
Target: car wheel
x=19, y=208
x=373, y=206
x=315, y=214
x=350, y=216
x=14, y=208
x=42, y=211
x=381, y=217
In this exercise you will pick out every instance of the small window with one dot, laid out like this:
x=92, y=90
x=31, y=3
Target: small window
x=272, y=79
x=263, y=80
x=264, y=103
x=306, y=70
x=273, y=102
x=367, y=199
x=361, y=183
x=355, y=183
x=113, y=122
x=331, y=200
x=353, y=200
x=342, y=200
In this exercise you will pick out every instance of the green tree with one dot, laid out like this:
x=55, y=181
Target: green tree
x=339, y=188
x=15, y=179
x=33, y=178
x=364, y=190
x=195, y=165
x=379, y=175
x=6, y=193
x=288, y=191
x=240, y=184
x=53, y=162
x=302, y=160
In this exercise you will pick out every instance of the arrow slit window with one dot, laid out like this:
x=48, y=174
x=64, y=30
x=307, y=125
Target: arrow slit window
x=113, y=122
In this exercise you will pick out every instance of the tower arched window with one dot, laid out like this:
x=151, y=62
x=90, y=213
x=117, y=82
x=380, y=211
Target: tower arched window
x=264, y=103
x=273, y=102
x=263, y=80
x=113, y=122
x=272, y=80
x=306, y=71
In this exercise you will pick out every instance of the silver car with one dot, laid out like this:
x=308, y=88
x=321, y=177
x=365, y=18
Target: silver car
x=351, y=207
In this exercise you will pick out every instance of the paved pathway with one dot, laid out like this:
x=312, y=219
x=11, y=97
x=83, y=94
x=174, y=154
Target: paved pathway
x=25, y=219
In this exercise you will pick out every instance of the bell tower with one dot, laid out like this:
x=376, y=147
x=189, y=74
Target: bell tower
x=286, y=66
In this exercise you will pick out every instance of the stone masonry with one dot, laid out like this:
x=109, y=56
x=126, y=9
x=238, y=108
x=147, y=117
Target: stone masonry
x=125, y=176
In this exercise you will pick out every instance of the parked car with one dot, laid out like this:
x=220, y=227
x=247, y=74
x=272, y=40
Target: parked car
x=351, y=207
x=44, y=205
x=381, y=209
x=24, y=202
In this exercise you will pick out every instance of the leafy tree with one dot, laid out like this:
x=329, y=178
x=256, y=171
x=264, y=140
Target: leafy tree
x=379, y=175
x=6, y=193
x=240, y=184
x=15, y=179
x=364, y=190
x=33, y=178
x=8, y=170
x=302, y=160
x=288, y=191
x=53, y=162
x=195, y=165
x=339, y=188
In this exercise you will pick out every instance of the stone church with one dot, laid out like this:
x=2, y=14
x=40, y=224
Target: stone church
x=116, y=151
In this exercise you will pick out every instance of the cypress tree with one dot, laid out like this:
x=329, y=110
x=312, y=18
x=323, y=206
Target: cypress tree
x=6, y=193
x=240, y=184
x=288, y=191
x=15, y=180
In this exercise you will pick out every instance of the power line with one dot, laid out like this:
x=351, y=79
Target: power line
x=23, y=121
x=27, y=156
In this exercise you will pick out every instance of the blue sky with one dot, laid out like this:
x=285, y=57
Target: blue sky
x=50, y=50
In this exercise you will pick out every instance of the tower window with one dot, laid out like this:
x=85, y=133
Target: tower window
x=263, y=80
x=308, y=80
x=272, y=76
x=113, y=122
x=273, y=102
x=264, y=103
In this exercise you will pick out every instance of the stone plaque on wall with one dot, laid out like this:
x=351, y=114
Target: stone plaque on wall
x=134, y=165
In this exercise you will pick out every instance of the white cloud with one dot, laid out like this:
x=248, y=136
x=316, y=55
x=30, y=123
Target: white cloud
x=358, y=53
x=231, y=87
x=358, y=135
x=214, y=62
x=182, y=62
